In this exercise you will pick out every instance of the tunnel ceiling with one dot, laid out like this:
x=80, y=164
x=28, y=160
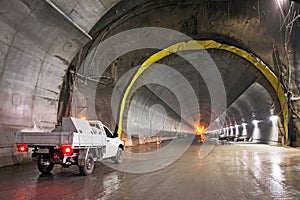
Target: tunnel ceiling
x=238, y=75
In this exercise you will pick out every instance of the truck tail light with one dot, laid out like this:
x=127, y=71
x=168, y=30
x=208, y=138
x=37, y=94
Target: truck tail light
x=67, y=150
x=22, y=148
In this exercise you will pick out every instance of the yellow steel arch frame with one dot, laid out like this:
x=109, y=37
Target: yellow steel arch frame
x=210, y=44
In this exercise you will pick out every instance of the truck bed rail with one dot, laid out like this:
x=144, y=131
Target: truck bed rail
x=44, y=138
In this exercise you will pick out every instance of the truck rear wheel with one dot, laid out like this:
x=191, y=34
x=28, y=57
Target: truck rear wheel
x=45, y=168
x=118, y=158
x=88, y=167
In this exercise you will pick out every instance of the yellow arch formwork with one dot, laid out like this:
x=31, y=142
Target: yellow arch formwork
x=210, y=44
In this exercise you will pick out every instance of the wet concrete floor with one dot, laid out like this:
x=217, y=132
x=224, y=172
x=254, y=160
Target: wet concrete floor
x=228, y=172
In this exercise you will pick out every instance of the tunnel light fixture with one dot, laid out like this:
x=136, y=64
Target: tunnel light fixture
x=281, y=2
x=255, y=123
x=273, y=117
x=83, y=117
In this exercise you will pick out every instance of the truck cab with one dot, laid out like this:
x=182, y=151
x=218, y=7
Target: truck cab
x=111, y=140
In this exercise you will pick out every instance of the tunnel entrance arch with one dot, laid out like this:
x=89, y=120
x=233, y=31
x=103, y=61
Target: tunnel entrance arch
x=212, y=44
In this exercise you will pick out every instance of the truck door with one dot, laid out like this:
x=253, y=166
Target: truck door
x=100, y=137
x=111, y=146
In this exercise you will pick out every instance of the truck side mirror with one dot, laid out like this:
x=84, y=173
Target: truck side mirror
x=116, y=135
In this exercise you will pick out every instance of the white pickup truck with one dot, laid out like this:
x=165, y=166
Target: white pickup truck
x=75, y=142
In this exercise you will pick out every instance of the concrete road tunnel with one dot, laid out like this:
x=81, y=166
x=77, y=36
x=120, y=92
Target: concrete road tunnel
x=253, y=95
x=53, y=63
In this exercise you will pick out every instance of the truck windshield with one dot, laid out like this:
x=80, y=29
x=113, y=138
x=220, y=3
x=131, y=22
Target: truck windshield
x=108, y=133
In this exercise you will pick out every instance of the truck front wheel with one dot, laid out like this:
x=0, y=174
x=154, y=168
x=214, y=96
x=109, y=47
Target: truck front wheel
x=45, y=168
x=88, y=167
x=118, y=158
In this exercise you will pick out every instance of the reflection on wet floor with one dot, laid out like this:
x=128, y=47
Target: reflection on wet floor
x=228, y=172
x=265, y=169
x=150, y=147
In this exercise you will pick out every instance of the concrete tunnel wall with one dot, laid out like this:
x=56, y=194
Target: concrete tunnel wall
x=37, y=43
x=153, y=120
x=39, y=39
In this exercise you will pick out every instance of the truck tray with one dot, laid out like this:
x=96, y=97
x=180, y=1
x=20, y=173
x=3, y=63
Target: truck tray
x=44, y=138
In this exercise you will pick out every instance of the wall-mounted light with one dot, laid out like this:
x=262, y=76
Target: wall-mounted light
x=255, y=123
x=281, y=2
x=273, y=117
x=272, y=111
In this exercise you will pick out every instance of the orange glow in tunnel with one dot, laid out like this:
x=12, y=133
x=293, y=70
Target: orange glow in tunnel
x=83, y=117
x=199, y=130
